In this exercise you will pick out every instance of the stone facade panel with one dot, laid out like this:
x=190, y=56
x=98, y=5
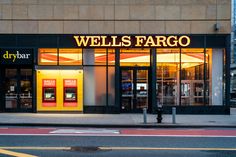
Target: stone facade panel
x=193, y=12
x=19, y=12
x=126, y=27
x=101, y=27
x=92, y=12
x=6, y=27
x=50, y=27
x=224, y=12
x=71, y=27
x=122, y=12
x=178, y=27
x=40, y=12
x=152, y=27
x=142, y=12
x=6, y=11
x=25, y=27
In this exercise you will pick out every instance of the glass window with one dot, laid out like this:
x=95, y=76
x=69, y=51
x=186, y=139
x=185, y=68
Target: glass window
x=167, y=74
x=47, y=56
x=95, y=56
x=134, y=57
x=207, y=71
x=70, y=56
x=95, y=86
x=111, y=56
x=192, y=76
x=111, y=85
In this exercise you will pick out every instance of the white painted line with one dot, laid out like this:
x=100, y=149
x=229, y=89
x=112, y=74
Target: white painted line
x=83, y=131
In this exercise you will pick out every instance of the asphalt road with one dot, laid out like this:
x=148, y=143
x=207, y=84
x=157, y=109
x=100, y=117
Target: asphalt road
x=117, y=146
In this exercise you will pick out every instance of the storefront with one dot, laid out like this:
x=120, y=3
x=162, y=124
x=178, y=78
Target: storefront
x=115, y=73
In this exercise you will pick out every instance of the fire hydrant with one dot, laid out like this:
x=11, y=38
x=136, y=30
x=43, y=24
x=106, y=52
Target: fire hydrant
x=159, y=114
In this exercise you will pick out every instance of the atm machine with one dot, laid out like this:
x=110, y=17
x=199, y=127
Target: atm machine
x=70, y=93
x=49, y=92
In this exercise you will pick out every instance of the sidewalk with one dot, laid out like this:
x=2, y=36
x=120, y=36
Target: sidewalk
x=115, y=120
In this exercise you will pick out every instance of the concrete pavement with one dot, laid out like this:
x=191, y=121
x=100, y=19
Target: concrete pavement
x=115, y=120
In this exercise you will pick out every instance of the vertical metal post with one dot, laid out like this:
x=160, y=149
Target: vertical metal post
x=153, y=81
x=145, y=115
x=173, y=115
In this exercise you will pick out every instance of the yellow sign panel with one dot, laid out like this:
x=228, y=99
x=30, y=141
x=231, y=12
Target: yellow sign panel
x=59, y=90
x=132, y=41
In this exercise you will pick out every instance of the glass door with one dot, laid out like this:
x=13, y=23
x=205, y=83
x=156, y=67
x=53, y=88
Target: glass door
x=18, y=89
x=134, y=89
x=25, y=92
x=141, y=89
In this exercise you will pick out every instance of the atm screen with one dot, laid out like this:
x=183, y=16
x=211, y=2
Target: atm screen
x=49, y=94
x=70, y=94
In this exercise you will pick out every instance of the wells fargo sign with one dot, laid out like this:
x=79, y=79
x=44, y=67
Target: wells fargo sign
x=131, y=41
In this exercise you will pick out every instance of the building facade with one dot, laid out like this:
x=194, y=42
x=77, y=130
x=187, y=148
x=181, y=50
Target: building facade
x=115, y=56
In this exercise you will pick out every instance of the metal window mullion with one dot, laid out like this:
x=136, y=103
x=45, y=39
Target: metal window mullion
x=204, y=75
x=180, y=73
x=107, y=80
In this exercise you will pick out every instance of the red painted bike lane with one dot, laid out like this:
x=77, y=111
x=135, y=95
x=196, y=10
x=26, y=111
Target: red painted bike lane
x=178, y=132
x=25, y=131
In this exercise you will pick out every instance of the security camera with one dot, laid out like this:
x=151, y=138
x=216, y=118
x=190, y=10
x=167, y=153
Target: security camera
x=217, y=27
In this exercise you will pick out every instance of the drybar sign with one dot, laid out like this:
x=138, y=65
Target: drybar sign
x=16, y=56
x=132, y=41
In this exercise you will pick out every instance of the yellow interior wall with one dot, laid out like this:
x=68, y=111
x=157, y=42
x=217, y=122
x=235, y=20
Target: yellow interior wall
x=59, y=75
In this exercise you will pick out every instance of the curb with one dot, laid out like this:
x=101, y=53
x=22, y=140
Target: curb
x=116, y=125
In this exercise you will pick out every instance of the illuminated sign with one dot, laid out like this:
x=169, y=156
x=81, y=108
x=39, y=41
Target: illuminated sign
x=70, y=82
x=49, y=82
x=16, y=56
x=132, y=41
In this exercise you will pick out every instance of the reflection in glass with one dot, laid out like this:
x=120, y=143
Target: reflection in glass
x=142, y=89
x=111, y=56
x=11, y=89
x=135, y=57
x=192, y=77
x=47, y=56
x=70, y=56
x=70, y=94
x=95, y=56
x=127, y=90
x=95, y=86
x=134, y=89
x=49, y=94
x=26, y=88
x=111, y=86
x=167, y=76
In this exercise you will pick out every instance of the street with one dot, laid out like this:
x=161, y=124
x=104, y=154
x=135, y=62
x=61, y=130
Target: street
x=103, y=142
